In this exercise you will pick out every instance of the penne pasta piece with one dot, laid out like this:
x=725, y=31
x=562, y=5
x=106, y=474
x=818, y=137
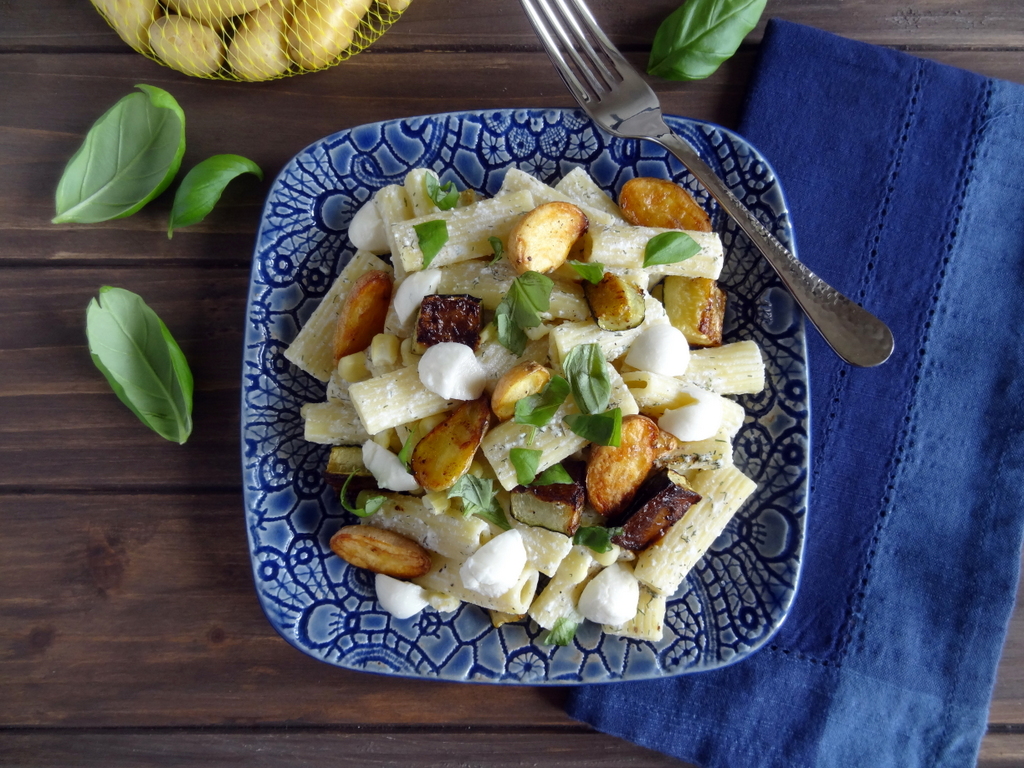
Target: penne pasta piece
x=559, y=598
x=613, y=343
x=623, y=247
x=517, y=181
x=649, y=621
x=395, y=398
x=545, y=549
x=333, y=423
x=443, y=577
x=582, y=189
x=731, y=369
x=447, y=533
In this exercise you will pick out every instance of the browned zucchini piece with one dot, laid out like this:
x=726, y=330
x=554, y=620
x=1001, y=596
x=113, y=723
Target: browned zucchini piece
x=555, y=507
x=617, y=304
x=363, y=314
x=696, y=306
x=457, y=318
x=614, y=474
x=345, y=460
x=662, y=500
x=444, y=455
x=381, y=551
x=649, y=202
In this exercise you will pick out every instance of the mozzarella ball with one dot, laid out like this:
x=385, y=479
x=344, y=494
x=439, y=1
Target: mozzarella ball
x=452, y=371
x=496, y=567
x=660, y=349
x=367, y=230
x=698, y=420
x=387, y=469
x=401, y=599
x=611, y=597
x=413, y=290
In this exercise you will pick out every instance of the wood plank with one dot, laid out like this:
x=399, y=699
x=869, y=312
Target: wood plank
x=461, y=24
x=1001, y=750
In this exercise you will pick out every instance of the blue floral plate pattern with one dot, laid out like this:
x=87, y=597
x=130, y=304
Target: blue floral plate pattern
x=734, y=599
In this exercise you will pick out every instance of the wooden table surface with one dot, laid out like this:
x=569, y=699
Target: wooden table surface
x=130, y=633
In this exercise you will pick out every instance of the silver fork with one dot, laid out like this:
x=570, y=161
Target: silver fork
x=619, y=100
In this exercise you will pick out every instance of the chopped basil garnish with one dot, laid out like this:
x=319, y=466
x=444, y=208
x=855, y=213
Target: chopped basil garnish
x=405, y=455
x=601, y=428
x=499, y=249
x=561, y=633
x=670, y=248
x=526, y=461
x=444, y=196
x=597, y=537
x=527, y=297
x=371, y=505
x=478, y=498
x=432, y=236
x=592, y=272
x=554, y=475
x=587, y=374
x=537, y=410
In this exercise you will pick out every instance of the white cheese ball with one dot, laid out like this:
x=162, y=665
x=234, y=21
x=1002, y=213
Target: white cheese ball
x=387, y=469
x=367, y=230
x=401, y=599
x=496, y=567
x=660, y=349
x=413, y=290
x=698, y=420
x=451, y=370
x=611, y=597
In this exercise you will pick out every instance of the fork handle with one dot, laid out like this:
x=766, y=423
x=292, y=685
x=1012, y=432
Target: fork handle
x=856, y=335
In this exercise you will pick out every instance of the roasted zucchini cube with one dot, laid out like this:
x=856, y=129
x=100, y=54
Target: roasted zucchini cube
x=555, y=507
x=457, y=318
x=662, y=500
x=345, y=460
x=696, y=306
x=617, y=304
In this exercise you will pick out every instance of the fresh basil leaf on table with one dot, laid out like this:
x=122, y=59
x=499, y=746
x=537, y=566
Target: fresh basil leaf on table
x=587, y=374
x=143, y=363
x=202, y=187
x=701, y=34
x=130, y=155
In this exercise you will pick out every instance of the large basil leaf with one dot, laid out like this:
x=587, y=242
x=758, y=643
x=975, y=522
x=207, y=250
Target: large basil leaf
x=587, y=375
x=129, y=156
x=695, y=39
x=143, y=363
x=202, y=187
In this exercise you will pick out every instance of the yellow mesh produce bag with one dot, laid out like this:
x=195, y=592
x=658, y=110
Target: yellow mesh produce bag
x=250, y=39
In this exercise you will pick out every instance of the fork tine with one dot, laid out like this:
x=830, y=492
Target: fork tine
x=579, y=12
x=554, y=51
x=577, y=46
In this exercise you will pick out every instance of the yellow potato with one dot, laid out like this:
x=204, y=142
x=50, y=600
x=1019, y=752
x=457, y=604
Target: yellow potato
x=447, y=452
x=187, y=45
x=131, y=19
x=527, y=378
x=381, y=551
x=397, y=5
x=615, y=473
x=363, y=314
x=321, y=29
x=542, y=239
x=259, y=49
x=214, y=12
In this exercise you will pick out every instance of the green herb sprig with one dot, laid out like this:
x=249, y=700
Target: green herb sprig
x=562, y=633
x=670, y=248
x=521, y=308
x=592, y=272
x=432, y=235
x=597, y=537
x=370, y=505
x=444, y=196
x=202, y=187
x=587, y=372
x=601, y=428
x=478, y=498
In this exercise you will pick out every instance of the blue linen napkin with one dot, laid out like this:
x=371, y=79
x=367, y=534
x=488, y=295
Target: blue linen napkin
x=905, y=179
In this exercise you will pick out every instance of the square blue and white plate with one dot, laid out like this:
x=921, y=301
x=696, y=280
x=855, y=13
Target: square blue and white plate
x=734, y=599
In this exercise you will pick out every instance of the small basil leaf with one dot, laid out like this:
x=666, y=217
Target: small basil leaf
x=202, y=187
x=696, y=38
x=591, y=272
x=432, y=236
x=597, y=537
x=405, y=455
x=601, y=428
x=143, y=363
x=529, y=295
x=526, y=461
x=498, y=247
x=130, y=155
x=556, y=474
x=477, y=495
x=510, y=335
x=587, y=373
x=537, y=410
x=369, y=506
x=670, y=248
x=444, y=196
x=562, y=633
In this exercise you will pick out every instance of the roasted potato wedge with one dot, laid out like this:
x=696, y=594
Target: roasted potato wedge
x=542, y=239
x=527, y=378
x=617, y=304
x=661, y=501
x=381, y=551
x=696, y=306
x=445, y=454
x=614, y=474
x=555, y=507
x=363, y=313
x=649, y=202
x=457, y=318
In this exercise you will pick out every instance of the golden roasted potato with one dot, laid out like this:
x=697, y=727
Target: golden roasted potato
x=542, y=239
x=661, y=501
x=445, y=454
x=458, y=318
x=363, y=314
x=617, y=304
x=187, y=45
x=696, y=306
x=649, y=202
x=381, y=551
x=615, y=473
x=527, y=378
